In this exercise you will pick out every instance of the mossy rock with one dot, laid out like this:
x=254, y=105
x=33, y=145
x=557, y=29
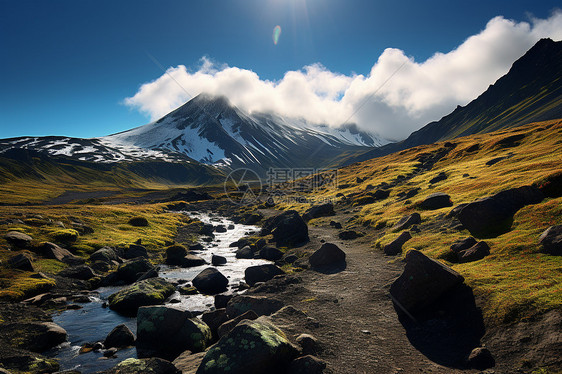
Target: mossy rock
x=152, y=291
x=29, y=363
x=144, y=366
x=66, y=236
x=251, y=347
x=138, y=221
x=167, y=331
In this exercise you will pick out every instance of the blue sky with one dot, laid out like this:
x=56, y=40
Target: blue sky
x=67, y=66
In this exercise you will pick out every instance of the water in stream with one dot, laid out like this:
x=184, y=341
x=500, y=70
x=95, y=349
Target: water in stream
x=92, y=323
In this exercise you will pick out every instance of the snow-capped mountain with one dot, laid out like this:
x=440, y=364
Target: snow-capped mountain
x=211, y=130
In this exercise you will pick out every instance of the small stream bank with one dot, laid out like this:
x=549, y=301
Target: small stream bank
x=93, y=322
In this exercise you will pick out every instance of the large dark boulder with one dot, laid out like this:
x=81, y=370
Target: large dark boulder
x=34, y=336
x=477, y=252
x=551, y=240
x=316, y=211
x=134, y=251
x=120, y=336
x=23, y=261
x=210, y=281
x=245, y=253
x=261, y=273
x=307, y=365
x=407, y=221
x=18, y=239
x=175, y=254
x=436, y=200
x=251, y=347
x=153, y=291
x=81, y=272
x=214, y=319
x=190, y=261
x=53, y=251
x=463, y=244
x=130, y=271
x=494, y=214
x=262, y=305
x=270, y=253
x=423, y=281
x=105, y=254
x=481, y=359
x=328, y=254
x=350, y=235
x=395, y=247
x=166, y=331
x=288, y=229
x=218, y=260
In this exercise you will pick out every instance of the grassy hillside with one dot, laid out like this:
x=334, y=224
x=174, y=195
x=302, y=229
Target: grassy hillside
x=32, y=177
x=515, y=281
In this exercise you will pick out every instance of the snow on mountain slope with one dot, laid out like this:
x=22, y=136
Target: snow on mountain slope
x=212, y=131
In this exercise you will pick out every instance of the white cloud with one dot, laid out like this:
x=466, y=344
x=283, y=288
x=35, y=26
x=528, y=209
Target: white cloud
x=418, y=93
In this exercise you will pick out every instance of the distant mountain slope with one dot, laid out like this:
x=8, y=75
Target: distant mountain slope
x=213, y=131
x=531, y=91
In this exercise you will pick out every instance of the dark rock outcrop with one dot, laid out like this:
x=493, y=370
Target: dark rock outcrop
x=423, y=281
x=288, y=229
x=261, y=273
x=23, y=261
x=120, y=336
x=81, y=272
x=262, y=305
x=327, y=255
x=18, y=239
x=316, y=211
x=152, y=291
x=210, y=281
x=407, y=221
x=494, y=214
x=395, y=247
x=477, y=252
x=436, y=200
x=270, y=253
x=551, y=240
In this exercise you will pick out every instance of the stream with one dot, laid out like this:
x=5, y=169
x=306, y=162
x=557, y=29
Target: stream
x=93, y=322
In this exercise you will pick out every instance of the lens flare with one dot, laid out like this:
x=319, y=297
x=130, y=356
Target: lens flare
x=276, y=34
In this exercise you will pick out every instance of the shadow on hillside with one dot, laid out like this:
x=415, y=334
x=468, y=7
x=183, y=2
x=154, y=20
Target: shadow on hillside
x=447, y=332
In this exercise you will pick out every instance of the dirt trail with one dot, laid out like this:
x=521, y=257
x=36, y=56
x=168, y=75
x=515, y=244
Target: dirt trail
x=359, y=327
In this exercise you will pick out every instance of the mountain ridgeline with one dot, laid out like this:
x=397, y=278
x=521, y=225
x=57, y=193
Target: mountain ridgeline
x=530, y=92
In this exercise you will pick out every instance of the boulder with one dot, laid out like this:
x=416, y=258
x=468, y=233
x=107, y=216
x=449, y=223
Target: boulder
x=227, y=326
x=175, y=254
x=35, y=336
x=27, y=362
x=328, y=255
x=288, y=229
x=464, y=244
x=153, y=365
x=438, y=178
x=18, y=239
x=105, y=254
x=210, y=281
x=218, y=260
x=245, y=253
x=251, y=347
x=190, y=261
x=422, y=282
x=407, y=221
x=316, y=211
x=262, y=305
x=270, y=253
x=120, y=336
x=130, y=271
x=167, y=331
x=493, y=215
x=222, y=300
x=53, y=251
x=220, y=228
x=436, y=200
x=196, y=247
x=188, y=362
x=350, y=235
x=214, y=319
x=551, y=240
x=335, y=225
x=261, y=273
x=380, y=194
x=395, y=247
x=477, y=252
x=307, y=365
x=134, y=251
x=153, y=291
x=81, y=272
x=138, y=221
x=308, y=343
x=23, y=261
x=481, y=358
